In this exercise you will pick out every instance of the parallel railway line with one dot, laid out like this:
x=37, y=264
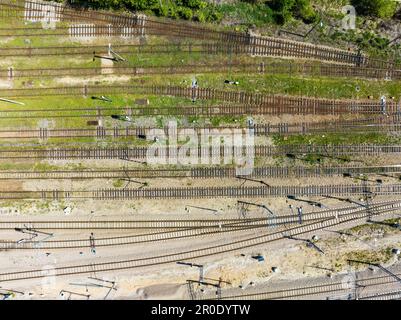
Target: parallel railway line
x=132, y=239
x=258, y=103
x=205, y=111
x=268, y=68
x=220, y=228
x=204, y=192
x=184, y=224
x=197, y=173
x=187, y=255
x=378, y=124
x=143, y=153
x=326, y=289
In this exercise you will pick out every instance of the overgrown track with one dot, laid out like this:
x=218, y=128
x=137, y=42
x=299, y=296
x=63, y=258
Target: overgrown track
x=187, y=255
x=258, y=103
x=257, y=45
x=204, y=192
x=378, y=124
x=149, y=154
x=197, y=173
x=390, y=123
x=305, y=69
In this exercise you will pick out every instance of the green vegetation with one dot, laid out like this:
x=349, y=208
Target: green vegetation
x=336, y=139
x=251, y=11
x=118, y=183
x=257, y=14
x=197, y=10
x=376, y=8
x=377, y=256
x=285, y=10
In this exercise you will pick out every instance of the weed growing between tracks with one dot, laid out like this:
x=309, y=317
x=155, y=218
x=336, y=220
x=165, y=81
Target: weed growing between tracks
x=337, y=139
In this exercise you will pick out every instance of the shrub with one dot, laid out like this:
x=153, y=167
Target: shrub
x=303, y=10
x=284, y=10
x=200, y=17
x=161, y=11
x=377, y=8
x=172, y=13
x=140, y=4
x=194, y=4
x=185, y=13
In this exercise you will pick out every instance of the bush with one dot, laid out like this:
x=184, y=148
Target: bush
x=172, y=13
x=161, y=11
x=213, y=15
x=200, y=17
x=377, y=8
x=195, y=4
x=303, y=10
x=137, y=5
x=185, y=13
x=285, y=10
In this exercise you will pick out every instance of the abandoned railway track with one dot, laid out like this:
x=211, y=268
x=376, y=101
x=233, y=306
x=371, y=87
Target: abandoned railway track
x=304, y=69
x=258, y=103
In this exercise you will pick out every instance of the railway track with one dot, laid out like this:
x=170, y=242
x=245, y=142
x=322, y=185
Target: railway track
x=204, y=111
x=378, y=124
x=203, y=192
x=339, y=152
x=130, y=224
x=337, y=288
x=199, y=173
x=393, y=295
x=133, y=239
x=220, y=227
x=184, y=224
x=186, y=255
x=303, y=69
x=381, y=71
x=259, y=103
